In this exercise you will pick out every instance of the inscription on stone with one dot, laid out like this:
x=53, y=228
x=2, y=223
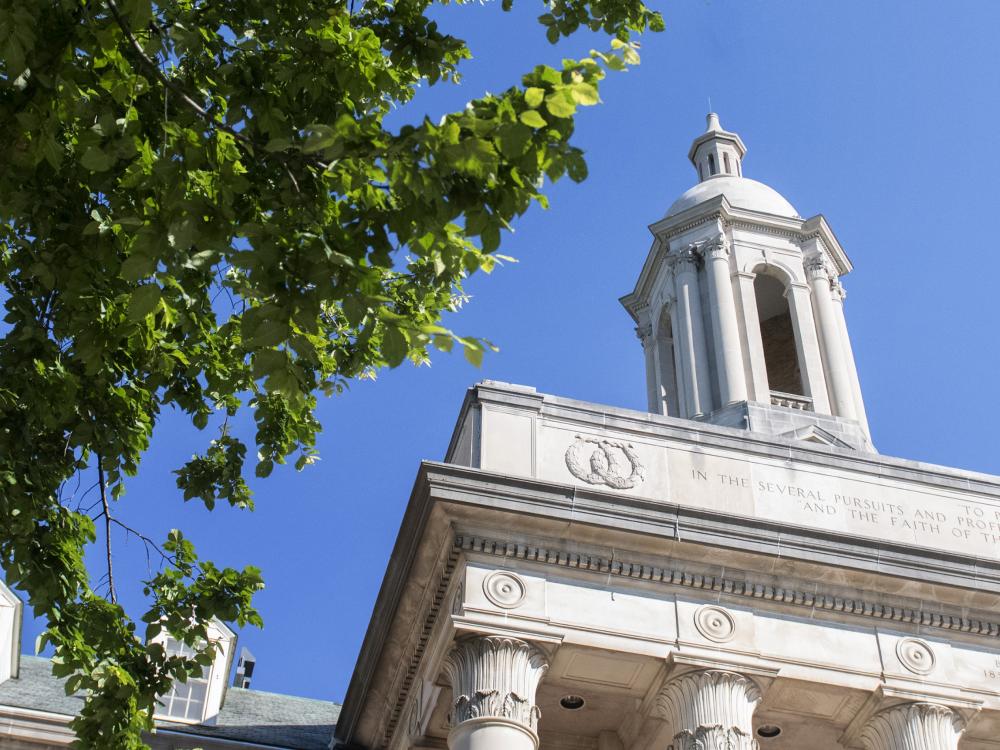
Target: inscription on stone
x=887, y=512
x=836, y=498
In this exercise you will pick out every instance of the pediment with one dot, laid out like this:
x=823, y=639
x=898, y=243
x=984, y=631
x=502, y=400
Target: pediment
x=816, y=434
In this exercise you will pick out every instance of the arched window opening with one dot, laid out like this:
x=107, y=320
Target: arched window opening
x=777, y=333
x=711, y=164
x=725, y=158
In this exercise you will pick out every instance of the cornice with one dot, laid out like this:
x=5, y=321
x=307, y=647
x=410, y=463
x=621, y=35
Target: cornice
x=809, y=597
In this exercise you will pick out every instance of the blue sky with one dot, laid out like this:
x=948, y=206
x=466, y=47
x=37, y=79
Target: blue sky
x=878, y=115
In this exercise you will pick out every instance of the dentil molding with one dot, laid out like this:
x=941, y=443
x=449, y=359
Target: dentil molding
x=807, y=597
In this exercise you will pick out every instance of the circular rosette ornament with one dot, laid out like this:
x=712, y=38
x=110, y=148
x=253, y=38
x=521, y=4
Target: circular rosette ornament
x=916, y=655
x=715, y=623
x=612, y=463
x=505, y=590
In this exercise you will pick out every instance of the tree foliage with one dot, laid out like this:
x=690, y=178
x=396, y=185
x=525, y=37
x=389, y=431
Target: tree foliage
x=202, y=208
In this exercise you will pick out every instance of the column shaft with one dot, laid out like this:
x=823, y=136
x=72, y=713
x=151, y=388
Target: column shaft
x=653, y=400
x=838, y=295
x=841, y=393
x=725, y=326
x=697, y=386
x=810, y=359
x=680, y=374
x=756, y=365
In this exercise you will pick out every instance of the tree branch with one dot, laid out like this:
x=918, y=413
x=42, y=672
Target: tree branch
x=188, y=101
x=147, y=541
x=107, y=528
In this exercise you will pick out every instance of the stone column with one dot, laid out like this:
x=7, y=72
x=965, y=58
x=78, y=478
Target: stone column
x=493, y=683
x=841, y=392
x=756, y=366
x=725, y=326
x=710, y=710
x=680, y=375
x=697, y=385
x=810, y=359
x=839, y=295
x=913, y=726
x=653, y=401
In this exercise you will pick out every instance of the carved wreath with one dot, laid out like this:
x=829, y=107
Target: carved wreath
x=603, y=465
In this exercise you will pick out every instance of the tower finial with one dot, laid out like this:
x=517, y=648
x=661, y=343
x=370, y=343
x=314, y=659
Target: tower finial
x=717, y=152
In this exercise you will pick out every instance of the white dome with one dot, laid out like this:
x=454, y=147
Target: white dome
x=740, y=192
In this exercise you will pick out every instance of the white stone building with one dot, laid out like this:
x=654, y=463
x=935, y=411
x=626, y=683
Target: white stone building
x=735, y=568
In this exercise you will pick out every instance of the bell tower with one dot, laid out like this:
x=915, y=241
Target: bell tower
x=740, y=309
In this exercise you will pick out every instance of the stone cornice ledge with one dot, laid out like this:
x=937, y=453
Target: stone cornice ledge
x=828, y=598
x=519, y=497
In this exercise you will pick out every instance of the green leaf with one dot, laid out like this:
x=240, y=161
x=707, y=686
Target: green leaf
x=576, y=166
x=96, y=160
x=318, y=138
x=473, y=352
x=474, y=156
x=394, y=346
x=532, y=119
x=143, y=301
x=559, y=104
x=585, y=94
x=533, y=96
x=268, y=333
x=513, y=139
x=137, y=267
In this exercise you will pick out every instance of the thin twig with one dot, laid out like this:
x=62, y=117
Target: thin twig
x=107, y=528
x=147, y=541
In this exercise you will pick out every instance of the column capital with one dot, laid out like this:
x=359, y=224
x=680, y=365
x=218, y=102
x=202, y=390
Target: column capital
x=494, y=677
x=716, y=248
x=817, y=268
x=837, y=290
x=710, y=708
x=686, y=258
x=913, y=726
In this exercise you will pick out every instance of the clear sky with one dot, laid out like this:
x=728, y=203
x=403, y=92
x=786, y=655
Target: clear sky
x=879, y=115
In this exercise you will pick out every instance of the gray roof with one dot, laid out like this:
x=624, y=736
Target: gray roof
x=283, y=721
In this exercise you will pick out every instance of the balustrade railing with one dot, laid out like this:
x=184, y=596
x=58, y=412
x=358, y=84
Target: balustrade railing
x=791, y=401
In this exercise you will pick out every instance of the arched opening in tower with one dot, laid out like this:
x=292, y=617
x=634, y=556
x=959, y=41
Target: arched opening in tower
x=777, y=333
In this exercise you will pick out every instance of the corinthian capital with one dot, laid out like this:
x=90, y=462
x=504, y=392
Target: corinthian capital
x=710, y=709
x=817, y=268
x=493, y=677
x=913, y=726
x=717, y=247
x=686, y=258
